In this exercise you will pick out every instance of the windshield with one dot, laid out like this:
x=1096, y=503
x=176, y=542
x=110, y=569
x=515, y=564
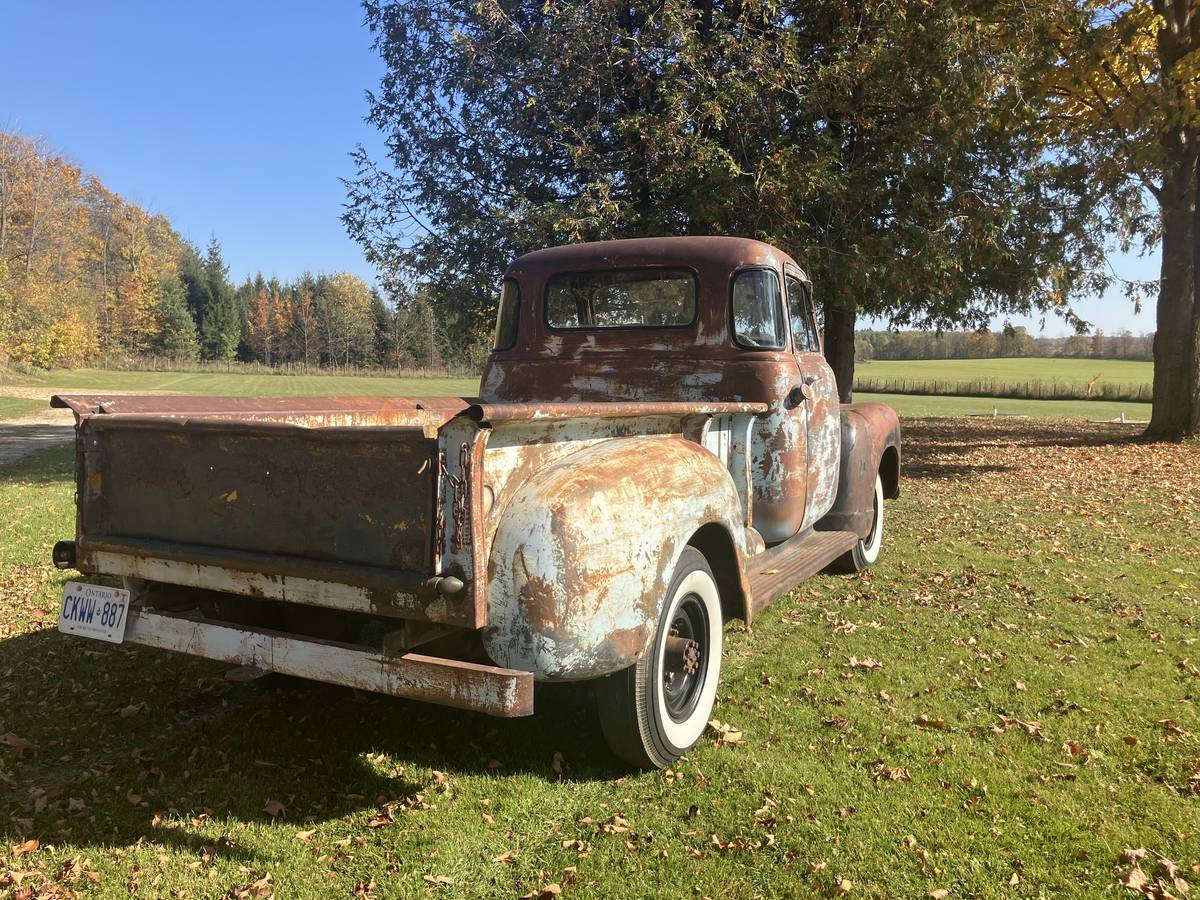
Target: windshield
x=632, y=298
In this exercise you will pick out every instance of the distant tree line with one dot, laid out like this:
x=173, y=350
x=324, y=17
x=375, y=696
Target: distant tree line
x=1008, y=342
x=86, y=275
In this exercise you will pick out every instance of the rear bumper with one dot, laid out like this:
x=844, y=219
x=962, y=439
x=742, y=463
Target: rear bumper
x=486, y=689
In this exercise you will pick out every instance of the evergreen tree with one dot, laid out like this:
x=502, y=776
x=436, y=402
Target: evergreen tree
x=220, y=326
x=176, y=336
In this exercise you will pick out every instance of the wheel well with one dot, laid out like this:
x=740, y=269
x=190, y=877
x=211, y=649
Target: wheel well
x=889, y=472
x=717, y=546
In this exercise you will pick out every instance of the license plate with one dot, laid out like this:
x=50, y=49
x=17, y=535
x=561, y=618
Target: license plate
x=94, y=611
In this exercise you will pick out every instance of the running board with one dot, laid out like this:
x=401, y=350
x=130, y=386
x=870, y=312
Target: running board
x=450, y=682
x=776, y=571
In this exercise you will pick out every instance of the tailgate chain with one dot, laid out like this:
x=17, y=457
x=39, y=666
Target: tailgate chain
x=460, y=510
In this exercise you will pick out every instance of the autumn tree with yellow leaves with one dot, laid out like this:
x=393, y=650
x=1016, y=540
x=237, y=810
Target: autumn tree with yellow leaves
x=82, y=271
x=1122, y=98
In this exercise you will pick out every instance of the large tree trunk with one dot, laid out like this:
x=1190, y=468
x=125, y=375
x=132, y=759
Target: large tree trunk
x=839, y=348
x=1176, y=410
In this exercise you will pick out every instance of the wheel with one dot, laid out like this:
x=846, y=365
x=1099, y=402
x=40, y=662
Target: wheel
x=654, y=712
x=866, y=552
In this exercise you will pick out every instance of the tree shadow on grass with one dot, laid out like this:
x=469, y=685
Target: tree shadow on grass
x=109, y=745
x=48, y=463
x=948, y=449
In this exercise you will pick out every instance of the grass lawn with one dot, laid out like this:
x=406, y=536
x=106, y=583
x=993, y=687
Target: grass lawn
x=11, y=407
x=1094, y=410
x=1079, y=371
x=249, y=385
x=999, y=708
x=294, y=385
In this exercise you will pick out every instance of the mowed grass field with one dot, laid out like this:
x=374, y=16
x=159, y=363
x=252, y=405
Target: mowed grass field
x=1074, y=371
x=84, y=380
x=1000, y=708
x=11, y=407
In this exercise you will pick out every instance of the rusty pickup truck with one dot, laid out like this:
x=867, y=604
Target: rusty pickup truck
x=657, y=447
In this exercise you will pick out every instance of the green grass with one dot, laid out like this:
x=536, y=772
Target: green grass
x=249, y=385
x=1076, y=371
x=1036, y=573
x=922, y=405
x=294, y=385
x=11, y=407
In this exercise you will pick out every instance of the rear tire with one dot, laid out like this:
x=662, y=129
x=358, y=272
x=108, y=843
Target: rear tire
x=865, y=553
x=655, y=711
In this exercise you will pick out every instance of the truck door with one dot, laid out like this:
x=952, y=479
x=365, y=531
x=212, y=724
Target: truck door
x=779, y=461
x=823, y=417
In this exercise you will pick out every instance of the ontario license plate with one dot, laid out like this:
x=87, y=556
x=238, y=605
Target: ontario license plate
x=94, y=611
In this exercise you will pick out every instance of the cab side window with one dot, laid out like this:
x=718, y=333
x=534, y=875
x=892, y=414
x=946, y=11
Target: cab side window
x=758, y=310
x=804, y=333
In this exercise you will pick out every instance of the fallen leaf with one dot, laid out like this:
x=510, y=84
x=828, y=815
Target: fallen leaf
x=274, y=808
x=724, y=732
x=29, y=846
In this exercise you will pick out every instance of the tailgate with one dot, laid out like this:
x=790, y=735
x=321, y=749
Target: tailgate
x=324, y=490
x=351, y=495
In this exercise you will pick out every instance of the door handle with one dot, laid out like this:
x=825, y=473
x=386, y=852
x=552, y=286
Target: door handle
x=798, y=395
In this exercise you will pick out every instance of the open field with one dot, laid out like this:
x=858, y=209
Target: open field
x=1075, y=371
x=247, y=385
x=12, y=407
x=932, y=405
x=998, y=709
x=277, y=385
x=1027, y=379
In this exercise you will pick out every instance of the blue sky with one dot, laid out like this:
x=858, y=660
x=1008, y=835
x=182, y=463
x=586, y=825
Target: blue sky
x=237, y=119
x=234, y=119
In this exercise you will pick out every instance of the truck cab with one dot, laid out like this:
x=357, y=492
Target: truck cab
x=657, y=447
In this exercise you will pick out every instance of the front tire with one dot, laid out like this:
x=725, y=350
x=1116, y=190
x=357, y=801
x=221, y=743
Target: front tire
x=655, y=711
x=865, y=553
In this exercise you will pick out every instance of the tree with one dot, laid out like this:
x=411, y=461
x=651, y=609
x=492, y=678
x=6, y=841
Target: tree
x=1122, y=100
x=220, y=324
x=262, y=322
x=304, y=322
x=176, y=337
x=345, y=317
x=880, y=144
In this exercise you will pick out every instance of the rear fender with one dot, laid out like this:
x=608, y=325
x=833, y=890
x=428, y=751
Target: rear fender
x=870, y=447
x=585, y=551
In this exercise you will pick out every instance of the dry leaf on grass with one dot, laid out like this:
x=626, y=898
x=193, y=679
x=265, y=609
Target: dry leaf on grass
x=724, y=733
x=29, y=846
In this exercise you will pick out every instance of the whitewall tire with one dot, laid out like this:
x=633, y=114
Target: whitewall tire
x=655, y=711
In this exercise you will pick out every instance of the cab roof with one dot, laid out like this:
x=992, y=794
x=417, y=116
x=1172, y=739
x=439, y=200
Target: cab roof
x=689, y=252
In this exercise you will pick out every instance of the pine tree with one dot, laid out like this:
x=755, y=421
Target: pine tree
x=220, y=327
x=176, y=336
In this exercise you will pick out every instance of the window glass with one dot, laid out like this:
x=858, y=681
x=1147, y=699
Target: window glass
x=506, y=315
x=757, y=311
x=804, y=334
x=648, y=298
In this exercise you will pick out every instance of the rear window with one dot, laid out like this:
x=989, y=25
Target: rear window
x=633, y=298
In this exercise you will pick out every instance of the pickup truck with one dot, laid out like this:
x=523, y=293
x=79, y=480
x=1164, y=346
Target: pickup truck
x=657, y=447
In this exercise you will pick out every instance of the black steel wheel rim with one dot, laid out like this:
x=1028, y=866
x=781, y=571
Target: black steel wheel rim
x=681, y=690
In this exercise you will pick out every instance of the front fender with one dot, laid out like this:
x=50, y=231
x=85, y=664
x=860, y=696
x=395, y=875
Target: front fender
x=585, y=550
x=870, y=447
